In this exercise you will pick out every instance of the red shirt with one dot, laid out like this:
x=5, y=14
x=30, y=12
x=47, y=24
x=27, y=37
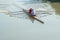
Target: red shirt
x=30, y=10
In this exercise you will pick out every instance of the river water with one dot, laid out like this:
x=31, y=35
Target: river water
x=12, y=28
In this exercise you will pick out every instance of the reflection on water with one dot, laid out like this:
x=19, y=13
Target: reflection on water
x=57, y=7
x=17, y=7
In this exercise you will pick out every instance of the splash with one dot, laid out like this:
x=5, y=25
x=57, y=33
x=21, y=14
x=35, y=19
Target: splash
x=26, y=5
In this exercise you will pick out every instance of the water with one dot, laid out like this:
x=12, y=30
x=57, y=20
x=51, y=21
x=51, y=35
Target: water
x=12, y=28
x=57, y=7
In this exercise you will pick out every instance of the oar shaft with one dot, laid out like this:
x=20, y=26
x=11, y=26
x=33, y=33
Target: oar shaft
x=36, y=18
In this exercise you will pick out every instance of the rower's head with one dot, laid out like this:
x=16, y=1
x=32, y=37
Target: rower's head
x=31, y=9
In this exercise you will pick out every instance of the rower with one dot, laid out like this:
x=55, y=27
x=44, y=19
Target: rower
x=32, y=12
